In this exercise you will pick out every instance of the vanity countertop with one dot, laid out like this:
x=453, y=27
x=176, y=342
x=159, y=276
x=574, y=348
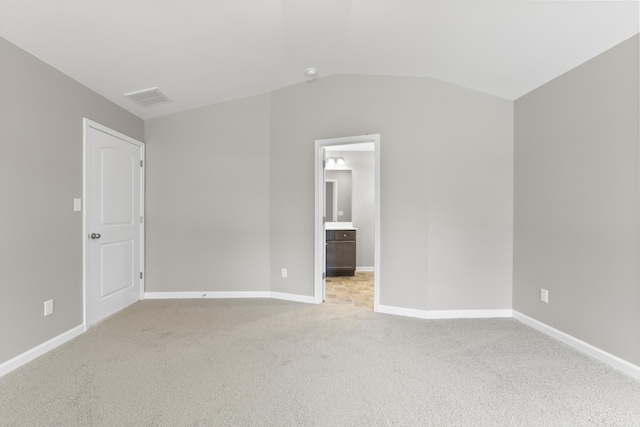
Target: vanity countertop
x=339, y=226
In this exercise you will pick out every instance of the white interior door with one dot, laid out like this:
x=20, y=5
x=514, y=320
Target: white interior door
x=113, y=216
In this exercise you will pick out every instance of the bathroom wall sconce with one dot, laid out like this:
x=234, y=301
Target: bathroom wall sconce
x=335, y=161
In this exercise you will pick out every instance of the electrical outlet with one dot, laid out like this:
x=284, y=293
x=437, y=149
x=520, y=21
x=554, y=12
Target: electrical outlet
x=284, y=273
x=77, y=205
x=544, y=295
x=48, y=307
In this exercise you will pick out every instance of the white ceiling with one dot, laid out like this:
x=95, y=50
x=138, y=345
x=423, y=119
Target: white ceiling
x=202, y=52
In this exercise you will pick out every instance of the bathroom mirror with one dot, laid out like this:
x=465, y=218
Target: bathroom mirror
x=337, y=195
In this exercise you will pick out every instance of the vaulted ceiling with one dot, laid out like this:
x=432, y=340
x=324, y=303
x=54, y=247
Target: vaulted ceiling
x=202, y=52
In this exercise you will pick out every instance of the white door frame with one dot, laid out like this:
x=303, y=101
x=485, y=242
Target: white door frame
x=320, y=236
x=86, y=123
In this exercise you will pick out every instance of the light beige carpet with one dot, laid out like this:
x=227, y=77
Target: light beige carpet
x=275, y=363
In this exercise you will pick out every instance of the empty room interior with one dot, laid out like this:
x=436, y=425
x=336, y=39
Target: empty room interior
x=498, y=191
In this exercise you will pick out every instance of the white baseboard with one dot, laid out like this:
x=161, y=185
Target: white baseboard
x=590, y=350
x=204, y=294
x=443, y=314
x=39, y=350
x=293, y=297
x=365, y=269
x=222, y=294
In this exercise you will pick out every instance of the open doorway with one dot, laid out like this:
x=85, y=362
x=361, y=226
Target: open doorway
x=347, y=243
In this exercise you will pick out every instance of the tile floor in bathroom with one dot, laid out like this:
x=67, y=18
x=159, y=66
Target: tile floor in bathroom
x=355, y=290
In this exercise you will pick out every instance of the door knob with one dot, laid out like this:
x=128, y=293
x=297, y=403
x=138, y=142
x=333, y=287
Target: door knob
x=95, y=236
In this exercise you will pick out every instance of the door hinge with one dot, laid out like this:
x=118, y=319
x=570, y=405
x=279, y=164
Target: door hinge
x=324, y=219
x=140, y=163
x=324, y=276
x=141, y=219
x=141, y=274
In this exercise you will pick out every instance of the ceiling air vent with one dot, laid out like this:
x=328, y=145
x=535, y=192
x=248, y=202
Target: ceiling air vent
x=148, y=97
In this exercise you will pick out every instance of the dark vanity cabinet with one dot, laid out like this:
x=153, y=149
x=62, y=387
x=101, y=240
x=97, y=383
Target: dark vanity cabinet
x=341, y=252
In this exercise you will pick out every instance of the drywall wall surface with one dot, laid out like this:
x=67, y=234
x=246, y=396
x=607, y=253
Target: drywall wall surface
x=446, y=186
x=577, y=202
x=469, y=163
x=41, y=134
x=208, y=198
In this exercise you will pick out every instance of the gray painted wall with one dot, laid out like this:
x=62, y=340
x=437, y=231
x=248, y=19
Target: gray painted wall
x=577, y=202
x=208, y=198
x=446, y=186
x=447, y=193
x=41, y=112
